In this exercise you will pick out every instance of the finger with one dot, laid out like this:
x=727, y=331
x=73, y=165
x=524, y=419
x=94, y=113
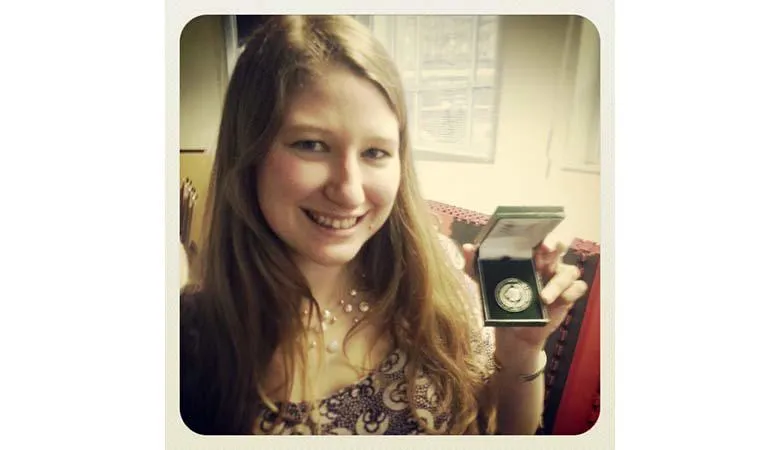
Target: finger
x=558, y=312
x=561, y=248
x=469, y=250
x=544, y=259
x=547, y=259
x=557, y=254
x=565, y=276
x=574, y=292
x=542, y=248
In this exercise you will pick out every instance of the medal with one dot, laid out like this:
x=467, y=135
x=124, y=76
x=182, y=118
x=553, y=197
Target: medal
x=513, y=295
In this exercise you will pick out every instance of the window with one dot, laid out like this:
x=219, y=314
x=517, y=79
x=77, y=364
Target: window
x=449, y=66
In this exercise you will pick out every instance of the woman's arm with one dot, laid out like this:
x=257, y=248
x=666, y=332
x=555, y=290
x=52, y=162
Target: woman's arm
x=520, y=397
x=520, y=400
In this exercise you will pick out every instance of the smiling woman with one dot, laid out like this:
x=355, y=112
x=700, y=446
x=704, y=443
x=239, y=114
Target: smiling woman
x=323, y=301
x=324, y=185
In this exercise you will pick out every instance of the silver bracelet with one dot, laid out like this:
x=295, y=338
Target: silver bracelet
x=532, y=376
x=525, y=378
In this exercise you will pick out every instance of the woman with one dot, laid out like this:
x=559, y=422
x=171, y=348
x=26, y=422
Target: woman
x=325, y=302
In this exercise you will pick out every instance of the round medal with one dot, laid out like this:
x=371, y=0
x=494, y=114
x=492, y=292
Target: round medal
x=514, y=295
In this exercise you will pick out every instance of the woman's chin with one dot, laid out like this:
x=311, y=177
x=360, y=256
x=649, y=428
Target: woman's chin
x=331, y=259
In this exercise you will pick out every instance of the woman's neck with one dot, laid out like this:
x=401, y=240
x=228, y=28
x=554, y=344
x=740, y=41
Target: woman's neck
x=328, y=283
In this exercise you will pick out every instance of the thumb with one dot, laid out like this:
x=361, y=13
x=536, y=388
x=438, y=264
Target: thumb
x=469, y=250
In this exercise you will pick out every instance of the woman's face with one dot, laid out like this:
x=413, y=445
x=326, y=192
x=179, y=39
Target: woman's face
x=332, y=174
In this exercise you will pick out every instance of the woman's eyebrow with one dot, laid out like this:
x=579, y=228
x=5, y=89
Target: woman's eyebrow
x=384, y=141
x=303, y=127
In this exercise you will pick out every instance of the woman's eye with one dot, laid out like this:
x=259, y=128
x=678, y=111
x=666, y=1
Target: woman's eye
x=375, y=153
x=309, y=146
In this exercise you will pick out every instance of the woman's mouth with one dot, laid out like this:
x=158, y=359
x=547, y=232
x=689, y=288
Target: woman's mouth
x=332, y=222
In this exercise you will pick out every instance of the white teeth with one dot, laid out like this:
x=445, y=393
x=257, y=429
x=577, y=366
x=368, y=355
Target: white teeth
x=339, y=224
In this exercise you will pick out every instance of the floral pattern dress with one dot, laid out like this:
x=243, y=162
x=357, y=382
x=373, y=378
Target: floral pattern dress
x=377, y=403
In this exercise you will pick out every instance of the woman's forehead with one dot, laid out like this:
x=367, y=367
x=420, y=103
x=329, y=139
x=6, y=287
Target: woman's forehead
x=340, y=99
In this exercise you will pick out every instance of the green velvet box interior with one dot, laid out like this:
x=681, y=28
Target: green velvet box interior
x=505, y=251
x=494, y=271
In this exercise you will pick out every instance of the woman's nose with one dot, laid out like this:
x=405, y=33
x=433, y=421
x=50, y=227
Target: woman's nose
x=346, y=183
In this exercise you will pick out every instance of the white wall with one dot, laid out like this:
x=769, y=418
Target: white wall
x=532, y=51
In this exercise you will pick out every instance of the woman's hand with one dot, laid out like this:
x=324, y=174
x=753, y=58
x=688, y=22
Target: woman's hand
x=562, y=287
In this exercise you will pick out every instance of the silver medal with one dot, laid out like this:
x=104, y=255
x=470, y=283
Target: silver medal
x=514, y=295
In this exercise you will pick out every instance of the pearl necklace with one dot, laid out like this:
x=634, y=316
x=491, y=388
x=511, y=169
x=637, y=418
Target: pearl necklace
x=329, y=318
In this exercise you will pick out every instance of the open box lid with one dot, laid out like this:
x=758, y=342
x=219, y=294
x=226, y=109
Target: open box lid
x=513, y=231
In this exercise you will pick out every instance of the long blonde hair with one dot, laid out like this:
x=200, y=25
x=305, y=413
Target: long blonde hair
x=250, y=286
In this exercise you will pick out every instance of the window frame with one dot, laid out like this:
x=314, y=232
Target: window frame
x=487, y=154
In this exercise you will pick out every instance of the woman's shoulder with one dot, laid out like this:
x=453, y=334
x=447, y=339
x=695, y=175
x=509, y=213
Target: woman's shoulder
x=190, y=322
x=194, y=375
x=190, y=332
x=190, y=307
x=191, y=300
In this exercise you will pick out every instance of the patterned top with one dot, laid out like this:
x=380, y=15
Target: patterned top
x=377, y=403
